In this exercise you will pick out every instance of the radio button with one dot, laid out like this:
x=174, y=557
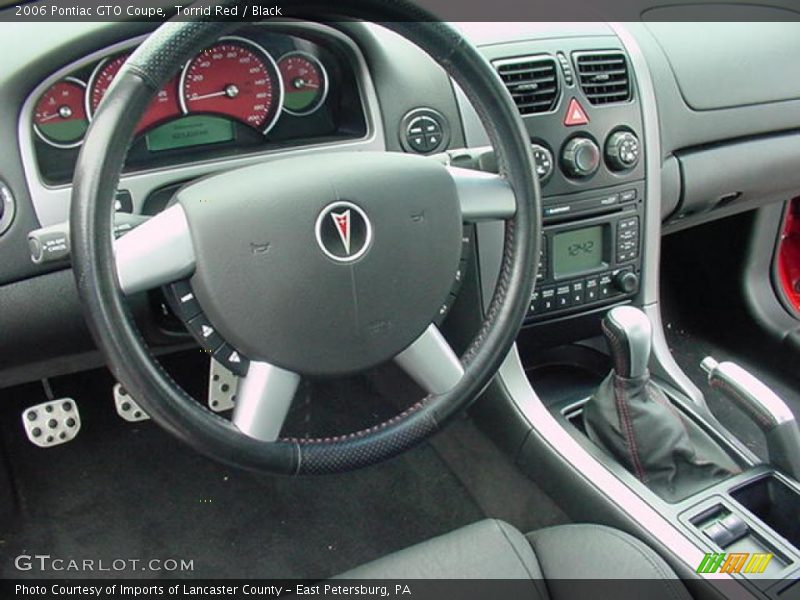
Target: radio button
x=606, y=286
x=578, y=293
x=628, y=196
x=563, y=296
x=591, y=288
x=548, y=299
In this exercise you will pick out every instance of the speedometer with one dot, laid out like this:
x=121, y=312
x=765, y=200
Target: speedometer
x=234, y=78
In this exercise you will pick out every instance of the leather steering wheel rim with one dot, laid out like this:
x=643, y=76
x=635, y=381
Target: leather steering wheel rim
x=128, y=357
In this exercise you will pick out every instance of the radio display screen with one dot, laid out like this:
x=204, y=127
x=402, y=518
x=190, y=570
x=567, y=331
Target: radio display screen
x=578, y=251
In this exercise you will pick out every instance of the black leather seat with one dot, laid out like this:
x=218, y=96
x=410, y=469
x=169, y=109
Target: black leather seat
x=492, y=549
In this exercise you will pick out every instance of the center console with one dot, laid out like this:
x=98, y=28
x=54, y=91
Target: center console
x=588, y=105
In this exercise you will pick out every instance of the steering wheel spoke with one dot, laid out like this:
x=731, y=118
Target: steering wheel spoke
x=483, y=196
x=431, y=362
x=263, y=401
x=155, y=253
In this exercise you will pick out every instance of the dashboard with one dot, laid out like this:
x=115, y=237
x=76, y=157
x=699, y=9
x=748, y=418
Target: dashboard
x=246, y=93
x=625, y=146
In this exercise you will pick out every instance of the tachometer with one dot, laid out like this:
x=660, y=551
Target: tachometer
x=59, y=117
x=235, y=78
x=305, y=83
x=164, y=106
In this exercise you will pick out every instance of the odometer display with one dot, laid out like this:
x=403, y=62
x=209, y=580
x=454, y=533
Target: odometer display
x=234, y=78
x=164, y=106
x=59, y=117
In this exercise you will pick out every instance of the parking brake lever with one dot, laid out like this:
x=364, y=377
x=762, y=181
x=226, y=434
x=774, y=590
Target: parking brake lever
x=764, y=407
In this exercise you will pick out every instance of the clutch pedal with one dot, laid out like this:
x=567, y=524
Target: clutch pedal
x=127, y=407
x=52, y=423
x=222, y=387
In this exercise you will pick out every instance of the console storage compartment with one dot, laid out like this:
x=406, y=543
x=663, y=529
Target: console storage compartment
x=775, y=503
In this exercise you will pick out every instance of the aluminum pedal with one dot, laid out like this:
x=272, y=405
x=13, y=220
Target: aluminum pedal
x=127, y=407
x=52, y=423
x=223, y=386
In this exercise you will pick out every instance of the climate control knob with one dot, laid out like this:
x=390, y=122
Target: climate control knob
x=622, y=151
x=580, y=157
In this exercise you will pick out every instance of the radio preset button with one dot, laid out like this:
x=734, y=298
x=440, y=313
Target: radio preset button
x=591, y=288
x=548, y=299
x=563, y=296
x=578, y=293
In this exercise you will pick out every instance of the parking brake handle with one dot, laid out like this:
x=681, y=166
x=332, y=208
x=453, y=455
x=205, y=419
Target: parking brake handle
x=764, y=407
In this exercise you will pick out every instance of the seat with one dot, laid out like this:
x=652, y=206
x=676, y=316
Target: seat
x=493, y=549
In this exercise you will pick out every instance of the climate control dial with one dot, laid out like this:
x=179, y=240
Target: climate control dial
x=622, y=151
x=580, y=157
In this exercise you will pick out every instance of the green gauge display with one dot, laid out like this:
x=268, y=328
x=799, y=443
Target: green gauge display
x=59, y=118
x=305, y=83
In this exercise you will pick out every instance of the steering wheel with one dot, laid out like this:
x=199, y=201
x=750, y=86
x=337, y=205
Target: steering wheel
x=302, y=275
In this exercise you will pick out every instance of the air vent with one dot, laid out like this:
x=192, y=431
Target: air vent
x=531, y=81
x=603, y=76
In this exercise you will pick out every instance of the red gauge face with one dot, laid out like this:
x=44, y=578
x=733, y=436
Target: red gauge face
x=164, y=106
x=60, y=116
x=305, y=83
x=236, y=79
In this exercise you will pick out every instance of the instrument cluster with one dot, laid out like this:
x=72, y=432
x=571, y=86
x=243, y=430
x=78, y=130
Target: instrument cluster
x=243, y=91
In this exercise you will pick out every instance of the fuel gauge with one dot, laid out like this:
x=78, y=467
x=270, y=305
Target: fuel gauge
x=305, y=83
x=59, y=118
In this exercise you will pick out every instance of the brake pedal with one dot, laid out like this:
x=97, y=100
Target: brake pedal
x=52, y=423
x=223, y=385
x=127, y=407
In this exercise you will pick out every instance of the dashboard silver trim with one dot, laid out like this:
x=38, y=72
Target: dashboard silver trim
x=663, y=363
x=51, y=203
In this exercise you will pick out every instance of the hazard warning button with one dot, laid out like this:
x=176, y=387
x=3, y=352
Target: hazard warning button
x=575, y=114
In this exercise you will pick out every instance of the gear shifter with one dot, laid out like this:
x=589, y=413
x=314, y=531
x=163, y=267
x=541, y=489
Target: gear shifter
x=632, y=418
x=629, y=334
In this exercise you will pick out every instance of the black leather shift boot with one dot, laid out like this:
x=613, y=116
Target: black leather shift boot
x=635, y=422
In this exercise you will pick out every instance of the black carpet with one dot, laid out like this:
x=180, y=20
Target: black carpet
x=124, y=490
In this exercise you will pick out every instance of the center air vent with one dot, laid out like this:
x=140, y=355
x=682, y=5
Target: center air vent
x=532, y=82
x=603, y=76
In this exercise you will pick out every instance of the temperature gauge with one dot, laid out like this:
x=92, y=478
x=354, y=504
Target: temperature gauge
x=59, y=118
x=305, y=83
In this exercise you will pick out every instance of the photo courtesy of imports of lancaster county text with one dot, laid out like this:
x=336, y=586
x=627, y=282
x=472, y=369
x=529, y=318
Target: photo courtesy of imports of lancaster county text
x=408, y=299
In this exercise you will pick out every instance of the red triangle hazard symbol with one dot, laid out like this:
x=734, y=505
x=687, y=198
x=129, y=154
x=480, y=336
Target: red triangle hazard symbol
x=575, y=114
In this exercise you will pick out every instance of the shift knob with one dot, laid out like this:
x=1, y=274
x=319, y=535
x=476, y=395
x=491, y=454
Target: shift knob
x=629, y=334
